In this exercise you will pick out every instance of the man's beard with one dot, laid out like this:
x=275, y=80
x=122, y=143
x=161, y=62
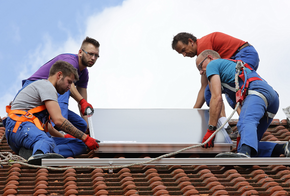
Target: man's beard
x=84, y=62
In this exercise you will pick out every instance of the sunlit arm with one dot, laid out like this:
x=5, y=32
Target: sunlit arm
x=216, y=99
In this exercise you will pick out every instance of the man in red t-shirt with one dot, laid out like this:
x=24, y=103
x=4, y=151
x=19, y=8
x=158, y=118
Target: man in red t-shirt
x=227, y=46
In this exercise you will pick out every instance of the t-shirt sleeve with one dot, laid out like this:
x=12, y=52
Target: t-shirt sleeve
x=212, y=69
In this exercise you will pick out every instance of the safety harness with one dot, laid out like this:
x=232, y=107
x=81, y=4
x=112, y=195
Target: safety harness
x=21, y=116
x=242, y=92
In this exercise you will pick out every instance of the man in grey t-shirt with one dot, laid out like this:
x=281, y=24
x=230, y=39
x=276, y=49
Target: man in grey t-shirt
x=28, y=114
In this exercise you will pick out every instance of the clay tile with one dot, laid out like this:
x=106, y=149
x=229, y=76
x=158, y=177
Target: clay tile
x=267, y=133
x=217, y=187
x=269, y=184
x=182, y=179
x=274, y=188
x=285, y=177
x=230, y=171
x=97, y=175
x=200, y=167
x=39, y=191
x=220, y=192
x=264, y=180
x=279, y=168
x=151, y=170
x=70, y=192
x=160, y=192
x=151, y=175
x=279, y=193
x=71, y=186
x=154, y=184
x=240, y=184
x=159, y=187
x=100, y=187
x=130, y=192
x=42, y=170
x=41, y=177
x=177, y=171
x=237, y=179
x=275, y=122
x=126, y=184
x=186, y=188
x=40, y=186
x=211, y=179
x=16, y=169
x=277, y=128
x=211, y=184
x=15, y=165
x=124, y=170
x=70, y=178
x=97, y=170
x=10, y=186
x=203, y=171
x=179, y=175
x=129, y=187
x=148, y=167
x=14, y=173
x=154, y=179
x=259, y=176
x=41, y=182
x=281, y=131
x=41, y=174
x=255, y=172
x=283, y=122
x=183, y=184
x=10, y=191
x=12, y=182
x=69, y=170
x=69, y=183
x=191, y=192
x=250, y=192
x=129, y=178
x=245, y=188
x=98, y=183
x=69, y=174
x=287, y=181
x=207, y=175
x=12, y=178
x=125, y=174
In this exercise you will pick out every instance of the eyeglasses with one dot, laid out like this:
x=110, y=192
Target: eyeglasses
x=91, y=54
x=199, y=67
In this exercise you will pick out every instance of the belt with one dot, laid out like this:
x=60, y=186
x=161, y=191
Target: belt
x=243, y=46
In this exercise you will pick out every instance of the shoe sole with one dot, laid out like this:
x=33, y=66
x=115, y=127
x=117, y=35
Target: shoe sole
x=38, y=160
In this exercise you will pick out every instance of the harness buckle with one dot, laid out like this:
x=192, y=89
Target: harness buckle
x=28, y=115
x=240, y=96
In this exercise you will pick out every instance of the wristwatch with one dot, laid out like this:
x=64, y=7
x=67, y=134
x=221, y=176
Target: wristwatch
x=211, y=127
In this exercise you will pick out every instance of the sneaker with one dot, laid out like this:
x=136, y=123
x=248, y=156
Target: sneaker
x=36, y=159
x=234, y=135
x=231, y=155
x=287, y=149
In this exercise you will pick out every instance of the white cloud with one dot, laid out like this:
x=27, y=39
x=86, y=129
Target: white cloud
x=138, y=68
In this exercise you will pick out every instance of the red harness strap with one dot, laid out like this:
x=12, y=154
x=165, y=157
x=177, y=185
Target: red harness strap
x=26, y=116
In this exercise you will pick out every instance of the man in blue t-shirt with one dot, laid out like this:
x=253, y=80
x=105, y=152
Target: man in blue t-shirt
x=257, y=110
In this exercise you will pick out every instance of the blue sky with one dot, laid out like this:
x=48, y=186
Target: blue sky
x=137, y=67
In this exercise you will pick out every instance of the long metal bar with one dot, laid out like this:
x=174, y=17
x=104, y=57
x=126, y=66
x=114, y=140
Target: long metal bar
x=166, y=161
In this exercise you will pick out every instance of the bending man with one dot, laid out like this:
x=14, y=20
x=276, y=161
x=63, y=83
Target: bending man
x=260, y=103
x=27, y=124
x=227, y=46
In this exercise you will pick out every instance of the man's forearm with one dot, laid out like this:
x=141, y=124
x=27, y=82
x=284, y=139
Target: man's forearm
x=72, y=130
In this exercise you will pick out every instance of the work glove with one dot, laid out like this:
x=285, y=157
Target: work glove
x=85, y=106
x=210, y=143
x=91, y=143
x=68, y=136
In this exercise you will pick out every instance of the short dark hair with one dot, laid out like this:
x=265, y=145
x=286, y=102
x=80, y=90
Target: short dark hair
x=183, y=37
x=66, y=68
x=89, y=40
